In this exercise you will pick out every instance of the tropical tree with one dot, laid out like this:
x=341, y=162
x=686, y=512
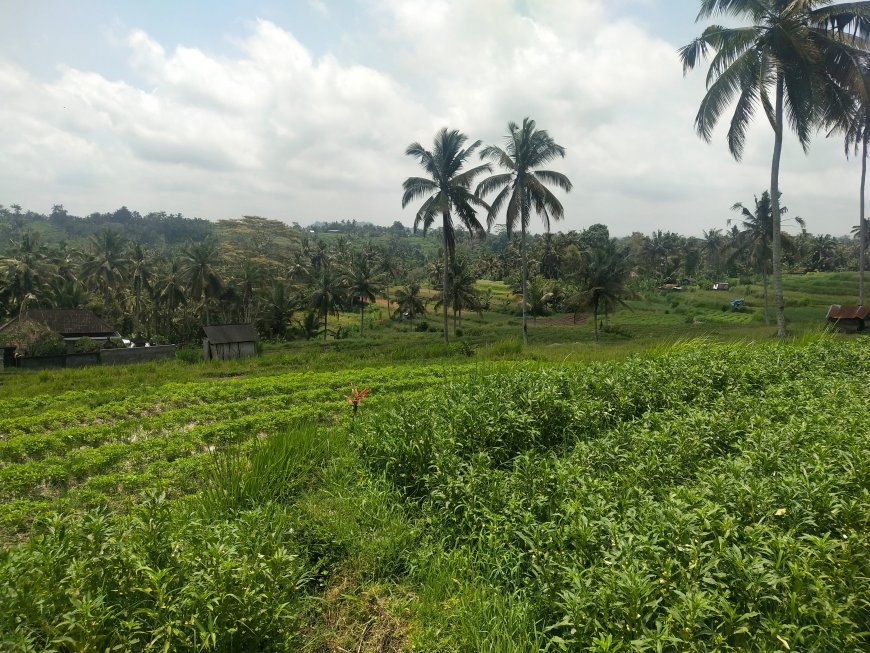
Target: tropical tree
x=756, y=239
x=853, y=121
x=199, y=269
x=172, y=293
x=328, y=294
x=447, y=191
x=409, y=300
x=541, y=296
x=524, y=187
x=140, y=278
x=604, y=285
x=794, y=59
x=24, y=273
x=713, y=247
x=107, y=266
x=310, y=324
x=68, y=293
x=280, y=304
x=364, y=281
x=462, y=293
x=390, y=263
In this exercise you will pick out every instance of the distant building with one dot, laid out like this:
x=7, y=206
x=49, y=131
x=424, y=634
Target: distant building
x=849, y=318
x=227, y=341
x=70, y=323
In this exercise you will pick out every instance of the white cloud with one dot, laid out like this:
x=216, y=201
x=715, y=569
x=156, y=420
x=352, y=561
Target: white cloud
x=270, y=128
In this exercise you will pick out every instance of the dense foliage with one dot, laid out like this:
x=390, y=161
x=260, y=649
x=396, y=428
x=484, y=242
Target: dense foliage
x=272, y=274
x=678, y=503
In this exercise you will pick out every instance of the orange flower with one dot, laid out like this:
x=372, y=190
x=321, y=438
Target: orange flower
x=355, y=397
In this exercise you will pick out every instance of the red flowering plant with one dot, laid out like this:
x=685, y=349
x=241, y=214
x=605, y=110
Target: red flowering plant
x=355, y=397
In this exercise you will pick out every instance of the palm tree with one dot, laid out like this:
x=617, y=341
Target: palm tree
x=854, y=123
x=541, y=297
x=23, y=273
x=447, y=190
x=280, y=304
x=107, y=267
x=68, y=293
x=363, y=283
x=523, y=187
x=461, y=291
x=604, y=284
x=390, y=264
x=408, y=300
x=200, y=272
x=328, y=294
x=803, y=52
x=140, y=277
x=249, y=276
x=713, y=246
x=310, y=324
x=756, y=239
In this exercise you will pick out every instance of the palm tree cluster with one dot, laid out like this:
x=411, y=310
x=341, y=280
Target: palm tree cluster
x=801, y=61
x=520, y=189
x=170, y=293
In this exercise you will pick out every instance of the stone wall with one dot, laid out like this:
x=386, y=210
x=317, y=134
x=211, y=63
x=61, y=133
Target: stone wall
x=136, y=354
x=103, y=357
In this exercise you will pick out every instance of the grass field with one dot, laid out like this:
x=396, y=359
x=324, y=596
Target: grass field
x=682, y=485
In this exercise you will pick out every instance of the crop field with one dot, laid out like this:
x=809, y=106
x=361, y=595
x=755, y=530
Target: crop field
x=701, y=496
x=88, y=448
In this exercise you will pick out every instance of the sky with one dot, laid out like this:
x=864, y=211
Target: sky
x=301, y=110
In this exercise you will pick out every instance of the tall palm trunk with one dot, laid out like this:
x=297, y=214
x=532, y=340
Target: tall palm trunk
x=445, y=279
x=361, y=313
x=325, y=323
x=525, y=273
x=862, y=226
x=778, y=298
x=595, y=318
x=765, y=282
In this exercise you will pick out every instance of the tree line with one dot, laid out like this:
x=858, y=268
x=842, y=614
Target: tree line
x=292, y=281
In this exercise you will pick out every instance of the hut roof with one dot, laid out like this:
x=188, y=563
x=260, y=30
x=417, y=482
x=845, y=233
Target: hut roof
x=68, y=321
x=843, y=312
x=221, y=334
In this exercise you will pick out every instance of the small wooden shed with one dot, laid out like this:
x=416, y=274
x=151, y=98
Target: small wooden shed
x=849, y=318
x=226, y=341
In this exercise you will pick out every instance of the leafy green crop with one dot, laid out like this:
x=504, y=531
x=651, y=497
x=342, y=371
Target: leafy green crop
x=714, y=499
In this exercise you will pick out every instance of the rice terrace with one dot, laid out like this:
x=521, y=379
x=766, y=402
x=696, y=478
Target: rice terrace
x=574, y=400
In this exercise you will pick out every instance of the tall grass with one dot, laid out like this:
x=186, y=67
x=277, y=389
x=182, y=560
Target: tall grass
x=273, y=468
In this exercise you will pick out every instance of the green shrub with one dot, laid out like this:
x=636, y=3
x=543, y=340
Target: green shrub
x=189, y=354
x=48, y=344
x=422, y=327
x=86, y=345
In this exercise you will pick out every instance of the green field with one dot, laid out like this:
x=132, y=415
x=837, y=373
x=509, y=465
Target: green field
x=677, y=486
